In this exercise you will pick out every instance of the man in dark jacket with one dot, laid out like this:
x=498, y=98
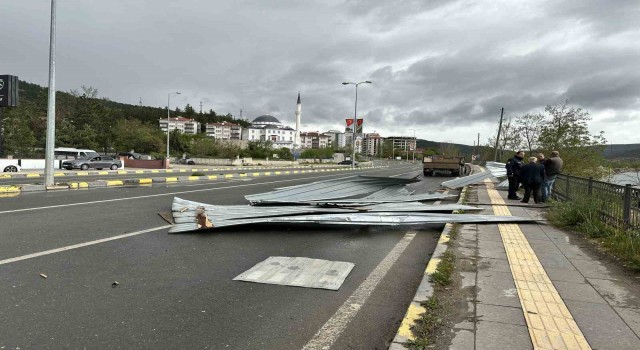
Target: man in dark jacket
x=552, y=167
x=532, y=176
x=513, y=174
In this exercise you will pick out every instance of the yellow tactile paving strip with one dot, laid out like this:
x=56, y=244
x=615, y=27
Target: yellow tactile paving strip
x=550, y=323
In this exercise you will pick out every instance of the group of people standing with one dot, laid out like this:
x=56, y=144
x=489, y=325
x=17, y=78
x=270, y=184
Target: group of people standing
x=537, y=176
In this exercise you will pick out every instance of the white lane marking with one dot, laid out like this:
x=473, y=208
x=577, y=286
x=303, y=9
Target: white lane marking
x=160, y=194
x=332, y=329
x=80, y=245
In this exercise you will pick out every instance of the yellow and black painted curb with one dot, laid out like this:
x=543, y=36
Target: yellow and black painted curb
x=154, y=171
x=425, y=289
x=16, y=189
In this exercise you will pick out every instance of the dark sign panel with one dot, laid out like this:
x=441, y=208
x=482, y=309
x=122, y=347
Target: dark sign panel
x=8, y=91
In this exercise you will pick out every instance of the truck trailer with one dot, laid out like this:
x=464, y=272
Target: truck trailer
x=449, y=164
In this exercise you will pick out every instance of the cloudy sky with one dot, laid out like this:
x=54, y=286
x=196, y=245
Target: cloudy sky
x=441, y=68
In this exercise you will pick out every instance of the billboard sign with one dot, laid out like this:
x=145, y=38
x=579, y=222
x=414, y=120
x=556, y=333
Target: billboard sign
x=8, y=91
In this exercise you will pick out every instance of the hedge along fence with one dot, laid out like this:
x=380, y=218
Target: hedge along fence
x=619, y=206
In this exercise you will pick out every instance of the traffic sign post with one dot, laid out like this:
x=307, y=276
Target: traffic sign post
x=8, y=98
x=8, y=91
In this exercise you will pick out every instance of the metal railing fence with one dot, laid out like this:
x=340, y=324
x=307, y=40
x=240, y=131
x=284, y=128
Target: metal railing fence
x=619, y=206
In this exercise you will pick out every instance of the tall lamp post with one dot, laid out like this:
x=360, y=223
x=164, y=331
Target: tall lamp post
x=51, y=103
x=355, y=119
x=168, y=117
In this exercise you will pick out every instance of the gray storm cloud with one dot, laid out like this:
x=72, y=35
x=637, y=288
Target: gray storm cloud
x=444, y=68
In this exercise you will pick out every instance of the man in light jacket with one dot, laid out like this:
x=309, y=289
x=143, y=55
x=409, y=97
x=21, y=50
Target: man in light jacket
x=552, y=167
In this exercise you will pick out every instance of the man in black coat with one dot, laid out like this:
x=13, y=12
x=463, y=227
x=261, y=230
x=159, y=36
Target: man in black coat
x=532, y=176
x=514, y=164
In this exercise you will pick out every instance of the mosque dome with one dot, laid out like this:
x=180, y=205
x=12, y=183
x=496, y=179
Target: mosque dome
x=266, y=120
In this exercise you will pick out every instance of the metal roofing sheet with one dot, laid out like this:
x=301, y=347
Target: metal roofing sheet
x=328, y=189
x=298, y=272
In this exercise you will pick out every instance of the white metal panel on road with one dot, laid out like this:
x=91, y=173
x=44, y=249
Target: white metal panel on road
x=298, y=272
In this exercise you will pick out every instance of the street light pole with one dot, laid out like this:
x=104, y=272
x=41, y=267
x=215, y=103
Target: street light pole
x=169, y=119
x=51, y=104
x=355, y=120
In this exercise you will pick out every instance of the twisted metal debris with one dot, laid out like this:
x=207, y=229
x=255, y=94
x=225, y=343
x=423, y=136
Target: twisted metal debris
x=494, y=169
x=386, y=203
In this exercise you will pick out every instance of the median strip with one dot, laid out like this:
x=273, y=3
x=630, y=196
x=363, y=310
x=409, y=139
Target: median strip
x=142, y=181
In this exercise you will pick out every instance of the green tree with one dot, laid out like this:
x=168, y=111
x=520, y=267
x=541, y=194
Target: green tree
x=19, y=138
x=284, y=154
x=132, y=134
x=529, y=126
x=566, y=131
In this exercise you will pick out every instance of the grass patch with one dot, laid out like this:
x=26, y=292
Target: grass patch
x=583, y=215
x=442, y=276
x=427, y=325
x=430, y=322
x=455, y=227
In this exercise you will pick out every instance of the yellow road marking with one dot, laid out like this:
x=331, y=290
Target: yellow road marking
x=243, y=175
x=9, y=189
x=278, y=172
x=82, y=173
x=267, y=173
x=115, y=183
x=169, y=171
x=139, y=171
x=146, y=181
x=228, y=175
x=33, y=175
x=122, y=172
x=103, y=173
x=212, y=177
x=432, y=266
x=194, y=178
x=255, y=174
x=153, y=171
x=412, y=314
x=59, y=174
x=172, y=179
x=76, y=185
x=551, y=325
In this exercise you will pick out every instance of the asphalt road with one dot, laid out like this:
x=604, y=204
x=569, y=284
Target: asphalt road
x=176, y=291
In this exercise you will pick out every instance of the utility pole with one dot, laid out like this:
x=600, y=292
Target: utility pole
x=495, y=156
x=51, y=103
x=478, y=144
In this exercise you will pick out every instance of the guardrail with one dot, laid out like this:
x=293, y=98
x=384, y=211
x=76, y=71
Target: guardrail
x=619, y=205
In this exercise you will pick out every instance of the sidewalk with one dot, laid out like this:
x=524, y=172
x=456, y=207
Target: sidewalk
x=535, y=286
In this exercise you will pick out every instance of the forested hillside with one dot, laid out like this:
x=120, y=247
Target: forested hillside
x=85, y=120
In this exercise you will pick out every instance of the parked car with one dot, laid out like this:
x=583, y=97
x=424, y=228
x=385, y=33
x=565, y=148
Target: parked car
x=347, y=162
x=97, y=162
x=187, y=161
x=9, y=165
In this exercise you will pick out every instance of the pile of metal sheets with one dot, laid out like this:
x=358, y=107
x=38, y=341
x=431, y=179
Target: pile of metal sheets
x=331, y=202
x=493, y=169
x=329, y=190
x=190, y=216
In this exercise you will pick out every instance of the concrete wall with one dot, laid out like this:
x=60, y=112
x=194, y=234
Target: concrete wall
x=143, y=164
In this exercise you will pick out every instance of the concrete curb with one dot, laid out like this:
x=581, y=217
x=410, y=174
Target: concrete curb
x=425, y=289
x=168, y=179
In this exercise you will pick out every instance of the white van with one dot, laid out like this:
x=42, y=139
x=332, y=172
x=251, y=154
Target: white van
x=72, y=153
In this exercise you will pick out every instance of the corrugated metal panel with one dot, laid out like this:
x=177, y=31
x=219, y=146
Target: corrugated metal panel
x=298, y=272
x=493, y=169
x=467, y=180
x=329, y=189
